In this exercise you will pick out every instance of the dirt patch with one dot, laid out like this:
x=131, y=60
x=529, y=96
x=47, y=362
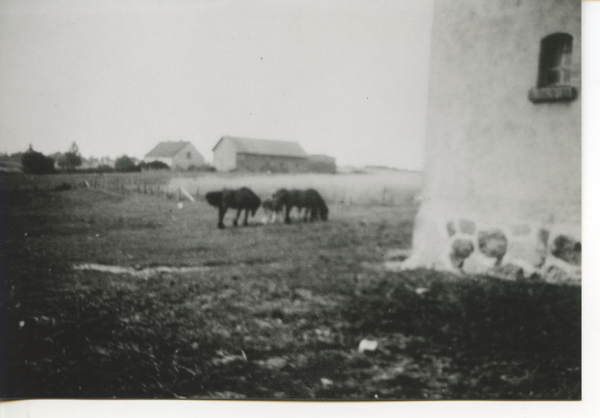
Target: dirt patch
x=141, y=272
x=147, y=272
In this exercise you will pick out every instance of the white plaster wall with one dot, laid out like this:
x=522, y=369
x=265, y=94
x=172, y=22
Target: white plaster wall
x=492, y=155
x=181, y=161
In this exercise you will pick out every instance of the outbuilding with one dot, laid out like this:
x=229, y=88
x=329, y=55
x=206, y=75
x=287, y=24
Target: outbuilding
x=259, y=155
x=318, y=163
x=179, y=155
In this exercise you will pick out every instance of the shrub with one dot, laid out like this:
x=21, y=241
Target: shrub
x=125, y=164
x=201, y=168
x=62, y=187
x=154, y=165
x=71, y=159
x=37, y=163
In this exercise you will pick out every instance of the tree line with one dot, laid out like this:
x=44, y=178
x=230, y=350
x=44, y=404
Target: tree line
x=35, y=162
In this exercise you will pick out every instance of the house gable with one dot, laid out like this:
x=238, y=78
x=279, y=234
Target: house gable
x=176, y=154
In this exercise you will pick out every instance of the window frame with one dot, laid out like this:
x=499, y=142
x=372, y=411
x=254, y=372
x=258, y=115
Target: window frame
x=554, y=70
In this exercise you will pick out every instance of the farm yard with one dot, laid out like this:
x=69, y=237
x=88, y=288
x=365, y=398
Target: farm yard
x=112, y=291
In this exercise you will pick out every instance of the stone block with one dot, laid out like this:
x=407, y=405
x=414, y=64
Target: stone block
x=461, y=249
x=451, y=228
x=531, y=249
x=493, y=243
x=567, y=249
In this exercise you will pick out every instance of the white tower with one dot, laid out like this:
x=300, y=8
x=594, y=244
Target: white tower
x=502, y=189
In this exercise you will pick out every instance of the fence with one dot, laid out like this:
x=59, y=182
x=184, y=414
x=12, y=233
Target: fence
x=385, y=188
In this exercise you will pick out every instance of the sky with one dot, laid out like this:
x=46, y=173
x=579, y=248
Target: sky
x=346, y=78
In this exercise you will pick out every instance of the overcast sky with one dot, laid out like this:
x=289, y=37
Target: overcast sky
x=342, y=77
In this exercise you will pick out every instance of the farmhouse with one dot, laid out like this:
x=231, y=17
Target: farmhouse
x=256, y=155
x=502, y=181
x=180, y=155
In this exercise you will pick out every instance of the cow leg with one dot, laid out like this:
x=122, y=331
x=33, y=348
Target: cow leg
x=235, y=221
x=222, y=211
x=287, y=214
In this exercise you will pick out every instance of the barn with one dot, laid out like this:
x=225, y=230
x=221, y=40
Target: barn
x=259, y=155
x=318, y=163
x=502, y=180
x=179, y=155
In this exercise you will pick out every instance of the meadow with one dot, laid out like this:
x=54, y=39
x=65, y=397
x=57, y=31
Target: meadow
x=262, y=312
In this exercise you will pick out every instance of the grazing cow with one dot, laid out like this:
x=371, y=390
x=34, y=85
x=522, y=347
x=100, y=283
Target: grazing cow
x=272, y=210
x=310, y=200
x=240, y=199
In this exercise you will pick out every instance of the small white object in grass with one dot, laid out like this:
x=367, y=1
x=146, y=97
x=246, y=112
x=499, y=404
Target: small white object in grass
x=367, y=345
x=180, y=205
x=420, y=290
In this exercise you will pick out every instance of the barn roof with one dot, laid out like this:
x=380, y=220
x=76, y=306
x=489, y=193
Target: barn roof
x=265, y=147
x=321, y=157
x=167, y=149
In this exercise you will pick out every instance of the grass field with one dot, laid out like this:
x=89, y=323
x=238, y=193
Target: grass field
x=278, y=311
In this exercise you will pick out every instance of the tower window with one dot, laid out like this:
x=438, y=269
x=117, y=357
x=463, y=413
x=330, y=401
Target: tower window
x=554, y=70
x=555, y=60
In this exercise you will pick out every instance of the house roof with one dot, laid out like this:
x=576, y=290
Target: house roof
x=167, y=149
x=265, y=147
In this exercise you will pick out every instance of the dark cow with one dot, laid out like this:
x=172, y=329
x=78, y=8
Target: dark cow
x=310, y=200
x=240, y=199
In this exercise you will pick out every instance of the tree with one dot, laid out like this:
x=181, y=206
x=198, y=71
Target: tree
x=125, y=163
x=37, y=163
x=71, y=159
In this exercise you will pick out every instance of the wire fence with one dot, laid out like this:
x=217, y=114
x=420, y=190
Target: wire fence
x=387, y=188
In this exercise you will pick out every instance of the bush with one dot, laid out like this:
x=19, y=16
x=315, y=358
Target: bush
x=125, y=164
x=201, y=168
x=154, y=165
x=104, y=168
x=62, y=187
x=71, y=159
x=37, y=163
